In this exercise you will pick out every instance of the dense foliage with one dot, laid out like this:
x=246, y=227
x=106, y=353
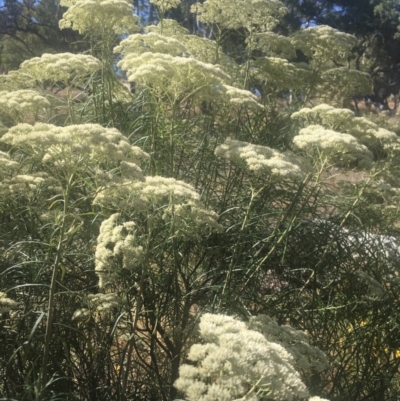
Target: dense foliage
x=217, y=227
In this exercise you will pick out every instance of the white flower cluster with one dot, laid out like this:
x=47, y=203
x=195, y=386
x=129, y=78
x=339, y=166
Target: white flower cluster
x=322, y=44
x=325, y=115
x=262, y=160
x=236, y=14
x=175, y=199
x=236, y=363
x=273, y=45
x=344, y=120
x=12, y=183
x=99, y=15
x=241, y=98
x=170, y=27
x=7, y=166
x=165, y=5
x=19, y=104
x=116, y=240
x=151, y=42
x=97, y=303
x=208, y=51
x=177, y=77
x=176, y=41
x=74, y=144
x=306, y=357
x=23, y=184
x=280, y=73
x=316, y=141
x=6, y=304
x=15, y=80
x=60, y=67
x=347, y=83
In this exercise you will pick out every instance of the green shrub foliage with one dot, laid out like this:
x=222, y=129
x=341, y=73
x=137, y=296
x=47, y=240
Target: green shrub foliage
x=216, y=226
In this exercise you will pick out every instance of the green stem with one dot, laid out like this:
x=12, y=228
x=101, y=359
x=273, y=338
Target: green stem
x=52, y=291
x=139, y=303
x=171, y=142
x=238, y=242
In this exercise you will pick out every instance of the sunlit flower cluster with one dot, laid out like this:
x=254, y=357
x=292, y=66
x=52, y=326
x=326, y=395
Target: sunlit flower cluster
x=241, y=98
x=306, y=357
x=6, y=304
x=116, y=240
x=151, y=42
x=21, y=104
x=272, y=45
x=174, y=199
x=23, y=184
x=165, y=5
x=325, y=115
x=344, y=120
x=262, y=160
x=322, y=44
x=14, y=182
x=280, y=73
x=74, y=144
x=179, y=78
x=236, y=14
x=170, y=27
x=234, y=362
x=317, y=141
x=99, y=15
x=62, y=67
x=7, y=166
x=15, y=80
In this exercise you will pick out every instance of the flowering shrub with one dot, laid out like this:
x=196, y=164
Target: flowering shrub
x=225, y=176
x=237, y=363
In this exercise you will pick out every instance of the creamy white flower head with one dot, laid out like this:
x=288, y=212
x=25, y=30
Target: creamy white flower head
x=15, y=80
x=280, y=73
x=165, y=5
x=237, y=363
x=6, y=304
x=74, y=144
x=23, y=184
x=272, y=44
x=179, y=78
x=22, y=103
x=81, y=314
x=208, y=51
x=7, y=166
x=322, y=44
x=344, y=120
x=170, y=27
x=116, y=242
x=262, y=160
x=151, y=42
x=316, y=398
x=317, y=141
x=325, y=115
x=173, y=199
x=99, y=15
x=236, y=14
x=60, y=67
x=346, y=83
x=239, y=98
x=306, y=357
